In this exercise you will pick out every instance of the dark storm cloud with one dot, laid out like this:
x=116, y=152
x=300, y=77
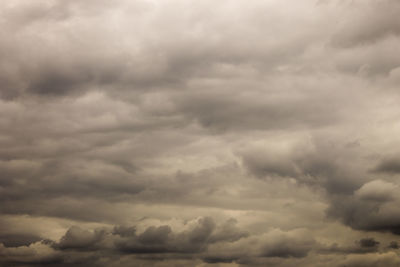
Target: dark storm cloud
x=162, y=240
x=368, y=243
x=132, y=132
x=154, y=239
x=35, y=254
x=315, y=164
x=367, y=216
x=373, y=207
x=17, y=240
x=275, y=245
x=389, y=165
x=287, y=249
x=76, y=238
x=46, y=180
x=394, y=245
x=228, y=232
x=362, y=246
x=79, y=245
x=204, y=239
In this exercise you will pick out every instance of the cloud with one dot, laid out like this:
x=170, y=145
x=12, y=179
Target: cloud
x=154, y=239
x=293, y=244
x=17, y=240
x=394, y=245
x=312, y=163
x=367, y=22
x=200, y=238
x=368, y=242
x=35, y=253
x=384, y=259
x=76, y=238
x=370, y=209
x=362, y=246
x=377, y=190
x=388, y=165
x=199, y=133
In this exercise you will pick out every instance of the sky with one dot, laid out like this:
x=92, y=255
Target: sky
x=206, y=133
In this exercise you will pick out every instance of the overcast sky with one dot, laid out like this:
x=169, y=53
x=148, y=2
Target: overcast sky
x=200, y=133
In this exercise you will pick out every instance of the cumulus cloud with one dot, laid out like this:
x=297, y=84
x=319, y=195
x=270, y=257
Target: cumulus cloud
x=36, y=253
x=373, y=207
x=201, y=238
x=377, y=190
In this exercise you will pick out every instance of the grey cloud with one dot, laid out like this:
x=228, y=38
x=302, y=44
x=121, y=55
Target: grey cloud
x=314, y=164
x=377, y=190
x=79, y=245
x=388, y=165
x=368, y=22
x=371, y=260
x=261, y=164
x=373, y=207
x=228, y=232
x=275, y=246
x=162, y=240
x=77, y=238
x=365, y=215
x=59, y=82
x=288, y=245
x=362, y=246
x=154, y=239
x=203, y=239
x=368, y=242
x=73, y=61
x=124, y=231
x=394, y=245
x=17, y=240
x=34, y=254
x=286, y=250
x=121, y=122
x=266, y=107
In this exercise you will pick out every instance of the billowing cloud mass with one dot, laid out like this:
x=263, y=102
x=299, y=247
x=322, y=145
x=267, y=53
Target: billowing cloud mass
x=199, y=133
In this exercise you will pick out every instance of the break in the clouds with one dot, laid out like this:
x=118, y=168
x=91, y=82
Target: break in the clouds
x=199, y=133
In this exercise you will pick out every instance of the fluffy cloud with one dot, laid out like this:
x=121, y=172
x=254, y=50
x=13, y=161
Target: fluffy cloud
x=372, y=207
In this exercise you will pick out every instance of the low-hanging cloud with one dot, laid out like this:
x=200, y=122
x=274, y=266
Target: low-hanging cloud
x=199, y=133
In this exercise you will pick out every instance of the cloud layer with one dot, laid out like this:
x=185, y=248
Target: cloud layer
x=199, y=133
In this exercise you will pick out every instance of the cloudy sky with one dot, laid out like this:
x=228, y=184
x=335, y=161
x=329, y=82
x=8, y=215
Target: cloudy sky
x=200, y=133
